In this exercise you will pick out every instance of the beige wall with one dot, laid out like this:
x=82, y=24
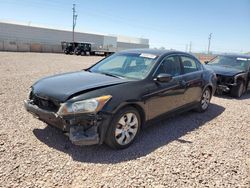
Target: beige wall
x=16, y=46
x=14, y=37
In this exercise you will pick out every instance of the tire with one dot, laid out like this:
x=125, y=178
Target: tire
x=205, y=100
x=238, y=90
x=124, y=128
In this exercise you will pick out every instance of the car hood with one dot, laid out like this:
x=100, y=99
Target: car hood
x=61, y=87
x=222, y=70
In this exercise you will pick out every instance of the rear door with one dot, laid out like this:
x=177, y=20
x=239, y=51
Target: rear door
x=192, y=76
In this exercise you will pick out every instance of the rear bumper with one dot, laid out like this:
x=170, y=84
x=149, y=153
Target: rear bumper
x=84, y=129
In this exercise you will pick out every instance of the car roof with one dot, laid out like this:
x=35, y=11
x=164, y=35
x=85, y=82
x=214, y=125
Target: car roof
x=152, y=51
x=236, y=55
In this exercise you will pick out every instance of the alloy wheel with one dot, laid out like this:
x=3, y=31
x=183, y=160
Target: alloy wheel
x=205, y=99
x=126, y=128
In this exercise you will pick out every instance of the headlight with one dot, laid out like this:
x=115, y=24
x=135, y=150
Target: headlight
x=86, y=106
x=30, y=92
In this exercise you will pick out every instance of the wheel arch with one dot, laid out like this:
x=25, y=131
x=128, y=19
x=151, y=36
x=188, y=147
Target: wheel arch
x=107, y=136
x=240, y=78
x=210, y=87
x=138, y=107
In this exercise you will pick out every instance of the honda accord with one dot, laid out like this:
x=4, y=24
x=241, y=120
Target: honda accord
x=112, y=100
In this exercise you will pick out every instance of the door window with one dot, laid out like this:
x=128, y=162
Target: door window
x=169, y=65
x=189, y=64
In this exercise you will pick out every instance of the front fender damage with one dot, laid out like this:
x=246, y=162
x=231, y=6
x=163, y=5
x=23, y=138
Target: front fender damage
x=89, y=132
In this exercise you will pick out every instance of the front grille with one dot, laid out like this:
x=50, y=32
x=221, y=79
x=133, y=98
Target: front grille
x=45, y=104
x=221, y=80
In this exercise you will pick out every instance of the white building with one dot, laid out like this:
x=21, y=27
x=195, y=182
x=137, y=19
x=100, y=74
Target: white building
x=21, y=37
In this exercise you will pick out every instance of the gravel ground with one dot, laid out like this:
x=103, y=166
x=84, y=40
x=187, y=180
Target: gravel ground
x=190, y=150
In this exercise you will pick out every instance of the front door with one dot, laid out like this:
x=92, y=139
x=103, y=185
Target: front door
x=166, y=96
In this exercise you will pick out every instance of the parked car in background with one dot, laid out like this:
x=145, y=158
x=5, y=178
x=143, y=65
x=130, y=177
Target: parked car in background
x=83, y=49
x=69, y=47
x=111, y=101
x=233, y=73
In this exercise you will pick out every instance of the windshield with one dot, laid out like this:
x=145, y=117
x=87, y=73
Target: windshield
x=131, y=65
x=234, y=62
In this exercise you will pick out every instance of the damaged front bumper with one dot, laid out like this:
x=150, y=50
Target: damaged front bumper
x=82, y=129
x=224, y=88
x=225, y=84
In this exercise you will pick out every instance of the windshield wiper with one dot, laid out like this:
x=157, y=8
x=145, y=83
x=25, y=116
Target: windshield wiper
x=109, y=74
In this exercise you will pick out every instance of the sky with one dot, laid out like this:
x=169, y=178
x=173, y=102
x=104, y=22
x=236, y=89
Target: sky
x=172, y=24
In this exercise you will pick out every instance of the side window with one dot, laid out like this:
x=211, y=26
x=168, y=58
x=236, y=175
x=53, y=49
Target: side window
x=189, y=64
x=199, y=65
x=170, y=65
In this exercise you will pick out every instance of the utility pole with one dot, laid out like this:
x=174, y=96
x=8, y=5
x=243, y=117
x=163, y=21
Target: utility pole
x=190, y=47
x=209, y=42
x=74, y=21
x=186, y=47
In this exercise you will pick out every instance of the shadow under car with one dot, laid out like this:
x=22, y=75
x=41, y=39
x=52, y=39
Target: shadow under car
x=150, y=138
x=228, y=96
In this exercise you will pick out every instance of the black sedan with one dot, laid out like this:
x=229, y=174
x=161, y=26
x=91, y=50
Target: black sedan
x=233, y=73
x=111, y=101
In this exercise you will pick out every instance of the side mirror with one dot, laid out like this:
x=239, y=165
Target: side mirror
x=206, y=62
x=163, y=77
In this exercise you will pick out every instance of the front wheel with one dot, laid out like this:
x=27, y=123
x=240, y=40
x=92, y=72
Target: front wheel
x=205, y=100
x=124, y=128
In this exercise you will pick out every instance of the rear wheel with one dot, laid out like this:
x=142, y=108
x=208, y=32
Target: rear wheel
x=124, y=128
x=238, y=90
x=205, y=100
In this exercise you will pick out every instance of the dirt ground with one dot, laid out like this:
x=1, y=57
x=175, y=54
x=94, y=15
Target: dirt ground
x=191, y=150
